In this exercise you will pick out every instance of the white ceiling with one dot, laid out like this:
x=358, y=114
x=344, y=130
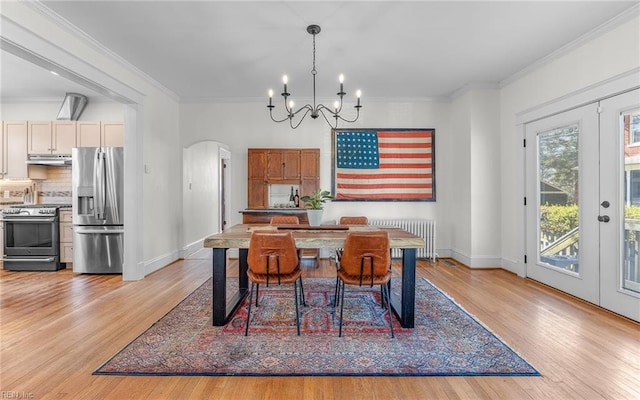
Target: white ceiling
x=214, y=50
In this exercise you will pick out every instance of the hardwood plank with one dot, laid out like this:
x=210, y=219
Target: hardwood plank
x=57, y=327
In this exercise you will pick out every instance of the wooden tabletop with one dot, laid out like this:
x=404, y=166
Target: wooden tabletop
x=238, y=236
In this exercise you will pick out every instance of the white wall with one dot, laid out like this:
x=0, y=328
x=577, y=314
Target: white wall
x=244, y=125
x=612, y=53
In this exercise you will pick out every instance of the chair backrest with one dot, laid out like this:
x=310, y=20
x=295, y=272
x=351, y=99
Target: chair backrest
x=270, y=250
x=346, y=220
x=284, y=219
x=373, y=247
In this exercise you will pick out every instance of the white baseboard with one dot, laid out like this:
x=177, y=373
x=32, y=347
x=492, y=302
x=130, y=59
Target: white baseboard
x=160, y=262
x=515, y=266
x=192, y=248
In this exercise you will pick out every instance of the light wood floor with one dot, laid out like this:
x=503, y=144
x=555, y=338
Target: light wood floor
x=57, y=327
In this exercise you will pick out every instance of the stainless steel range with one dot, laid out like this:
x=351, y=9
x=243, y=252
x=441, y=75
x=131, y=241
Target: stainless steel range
x=32, y=238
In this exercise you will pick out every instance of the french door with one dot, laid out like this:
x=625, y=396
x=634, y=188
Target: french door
x=583, y=202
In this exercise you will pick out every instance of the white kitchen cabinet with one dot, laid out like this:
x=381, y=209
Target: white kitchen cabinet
x=66, y=236
x=13, y=150
x=51, y=137
x=100, y=134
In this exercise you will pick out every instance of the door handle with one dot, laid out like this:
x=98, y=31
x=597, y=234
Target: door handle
x=603, y=218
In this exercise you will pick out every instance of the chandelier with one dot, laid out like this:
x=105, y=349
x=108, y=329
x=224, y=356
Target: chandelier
x=316, y=109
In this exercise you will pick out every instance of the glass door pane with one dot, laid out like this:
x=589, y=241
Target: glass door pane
x=631, y=260
x=559, y=198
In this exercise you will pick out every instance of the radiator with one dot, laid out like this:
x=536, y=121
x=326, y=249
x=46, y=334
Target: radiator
x=424, y=228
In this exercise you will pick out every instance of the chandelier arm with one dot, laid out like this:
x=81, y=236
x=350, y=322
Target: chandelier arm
x=350, y=120
x=301, y=119
x=325, y=117
x=276, y=120
x=305, y=107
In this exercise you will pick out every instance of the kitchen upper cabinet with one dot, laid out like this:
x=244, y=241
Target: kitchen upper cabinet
x=100, y=134
x=51, y=137
x=309, y=171
x=13, y=150
x=283, y=164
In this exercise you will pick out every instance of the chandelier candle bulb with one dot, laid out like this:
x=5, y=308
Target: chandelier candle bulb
x=270, y=98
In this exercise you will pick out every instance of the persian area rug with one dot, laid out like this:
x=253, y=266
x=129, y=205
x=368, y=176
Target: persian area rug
x=446, y=340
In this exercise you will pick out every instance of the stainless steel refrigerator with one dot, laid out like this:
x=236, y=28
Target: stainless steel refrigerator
x=98, y=223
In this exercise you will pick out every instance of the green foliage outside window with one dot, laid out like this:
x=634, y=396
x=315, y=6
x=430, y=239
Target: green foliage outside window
x=557, y=220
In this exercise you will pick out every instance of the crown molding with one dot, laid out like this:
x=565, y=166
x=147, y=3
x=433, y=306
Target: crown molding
x=226, y=100
x=37, y=6
x=473, y=86
x=600, y=30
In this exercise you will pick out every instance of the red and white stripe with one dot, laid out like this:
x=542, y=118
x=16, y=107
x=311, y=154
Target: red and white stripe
x=405, y=172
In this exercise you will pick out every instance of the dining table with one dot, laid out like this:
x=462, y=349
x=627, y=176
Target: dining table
x=307, y=237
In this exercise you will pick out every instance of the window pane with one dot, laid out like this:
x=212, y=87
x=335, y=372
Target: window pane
x=558, y=172
x=631, y=262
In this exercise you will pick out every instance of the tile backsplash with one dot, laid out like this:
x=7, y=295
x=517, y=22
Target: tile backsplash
x=56, y=189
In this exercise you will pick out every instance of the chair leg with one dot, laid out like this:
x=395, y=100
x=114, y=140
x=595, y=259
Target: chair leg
x=341, y=310
x=295, y=298
x=257, y=293
x=304, y=301
x=335, y=293
x=246, y=328
x=385, y=289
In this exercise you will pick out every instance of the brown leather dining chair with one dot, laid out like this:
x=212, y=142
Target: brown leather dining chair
x=273, y=260
x=284, y=219
x=366, y=261
x=293, y=220
x=346, y=220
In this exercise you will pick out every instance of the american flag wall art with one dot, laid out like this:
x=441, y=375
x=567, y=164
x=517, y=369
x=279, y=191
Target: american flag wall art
x=384, y=164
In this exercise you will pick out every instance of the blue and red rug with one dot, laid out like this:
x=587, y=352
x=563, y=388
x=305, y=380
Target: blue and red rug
x=446, y=340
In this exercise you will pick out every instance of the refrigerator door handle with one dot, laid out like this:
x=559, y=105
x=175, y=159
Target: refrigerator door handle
x=100, y=189
x=99, y=231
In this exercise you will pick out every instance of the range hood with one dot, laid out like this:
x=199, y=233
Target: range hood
x=72, y=106
x=55, y=160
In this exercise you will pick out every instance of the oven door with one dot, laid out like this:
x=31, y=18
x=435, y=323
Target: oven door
x=31, y=236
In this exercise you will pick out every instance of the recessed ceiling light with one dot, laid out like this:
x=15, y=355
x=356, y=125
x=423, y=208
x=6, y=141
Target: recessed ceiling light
x=55, y=73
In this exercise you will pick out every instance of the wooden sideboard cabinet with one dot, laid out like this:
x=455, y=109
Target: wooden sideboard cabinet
x=280, y=166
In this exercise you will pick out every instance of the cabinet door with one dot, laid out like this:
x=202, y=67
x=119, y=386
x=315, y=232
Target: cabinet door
x=88, y=134
x=257, y=193
x=257, y=164
x=14, y=149
x=63, y=137
x=291, y=160
x=39, y=137
x=112, y=134
x=257, y=188
x=275, y=165
x=309, y=171
x=310, y=163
